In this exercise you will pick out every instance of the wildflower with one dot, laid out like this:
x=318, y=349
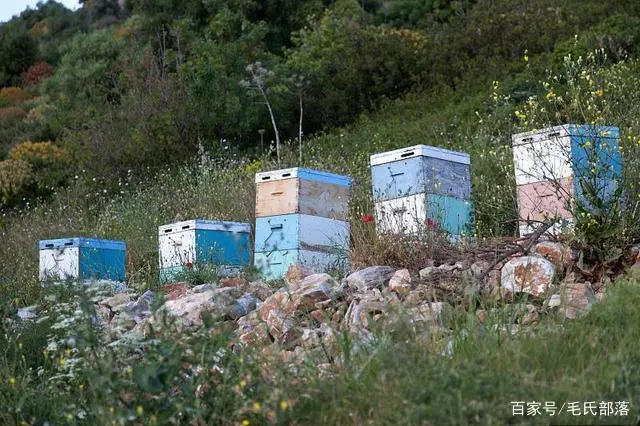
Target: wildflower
x=284, y=405
x=188, y=265
x=246, y=422
x=139, y=410
x=12, y=381
x=367, y=218
x=431, y=224
x=551, y=95
x=243, y=383
x=257, y=407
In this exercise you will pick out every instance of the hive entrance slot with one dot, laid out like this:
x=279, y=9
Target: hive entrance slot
x=407, y=154
x=49, y=245
x=554, y=134
x=286, y=174
x=166, y=231
x=186, y=227
x=68, y=243
x=266, y=177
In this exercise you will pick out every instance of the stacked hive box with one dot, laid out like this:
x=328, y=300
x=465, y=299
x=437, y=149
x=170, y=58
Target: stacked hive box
x=300, y=220
x=202, y=242
x=421, y=187
x=82, y=259
x=550, y=165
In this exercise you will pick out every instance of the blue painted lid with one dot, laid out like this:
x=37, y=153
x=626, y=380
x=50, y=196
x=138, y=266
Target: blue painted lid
x=201, y=224
x=83, y=242
x=301, y=173
x=419, y=151
x=582, y=130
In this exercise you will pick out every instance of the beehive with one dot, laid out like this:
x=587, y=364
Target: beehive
x=421, y=187
x=204, y=242
x=300, y=220
x=303, y=191
x=275, y=264
x=81, y=259
x=550, y=165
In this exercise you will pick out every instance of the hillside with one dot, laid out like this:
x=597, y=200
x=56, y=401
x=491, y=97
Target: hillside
x=127, y=115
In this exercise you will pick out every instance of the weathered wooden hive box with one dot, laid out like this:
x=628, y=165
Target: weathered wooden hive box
x=203, y=242
x=551, y=164
x=421, y=187
x=304, y=191
x=81, y=259
x=301, y=220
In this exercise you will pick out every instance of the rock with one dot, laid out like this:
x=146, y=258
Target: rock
x=430, y=313
x=103, y=314
x=601, y=296
x=295, y=273
x=28, y=312
x=417, y=297
x=233, y=282
x=556, y=253
x=277, y=312
x=120, y=324
x=318, y=315
x=116, y=300
x=531, y=315
x=400, y=282
x=577, y=299
x=479, y=267
x=481, y=315
x=204, y=287
x=248, y=322
x=175, y=290
x=314, y=289
x=428, y=271
x=371, y=277
x=554, y=301
x=258, y=336
x=260, y=290
x=141, y=308
x=191, y=307
x=242, y=306
x=450, y=268
x=527, y=274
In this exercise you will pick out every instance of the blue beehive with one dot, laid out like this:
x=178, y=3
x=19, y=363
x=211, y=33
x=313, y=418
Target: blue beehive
x=551, y=165
x=422, y=187
x=82, y=258
x=212, y=242
x=300, y=220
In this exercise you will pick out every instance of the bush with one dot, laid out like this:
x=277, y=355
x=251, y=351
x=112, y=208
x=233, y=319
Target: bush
x=11, y=114
x=50, y=163
x=15, y=177
x=36, y=72
x=12, y=95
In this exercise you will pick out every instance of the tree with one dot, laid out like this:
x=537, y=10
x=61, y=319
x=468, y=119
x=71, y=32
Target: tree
x=17, y=51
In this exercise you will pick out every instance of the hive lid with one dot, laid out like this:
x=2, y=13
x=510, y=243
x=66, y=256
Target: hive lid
x=299, y=172
x=82, y=242
x=418, y=151
x=201, y=224
x=563, y=130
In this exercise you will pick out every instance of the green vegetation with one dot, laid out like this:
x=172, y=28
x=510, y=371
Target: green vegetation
x=115, y=121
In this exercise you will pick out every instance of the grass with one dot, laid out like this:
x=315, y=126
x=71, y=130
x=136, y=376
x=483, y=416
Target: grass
x=402, y=377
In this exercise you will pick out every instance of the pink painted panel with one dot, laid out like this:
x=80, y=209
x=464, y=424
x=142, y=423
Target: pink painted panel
x=538, y=200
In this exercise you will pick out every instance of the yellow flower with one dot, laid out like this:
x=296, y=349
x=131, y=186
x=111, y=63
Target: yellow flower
x=12, y=381
x=599, y=92
x=550, y=95
x=140, y=410
x=246, y=422
x=587, y=144
x=257, y=406
x=284, y=405
x=243, y=383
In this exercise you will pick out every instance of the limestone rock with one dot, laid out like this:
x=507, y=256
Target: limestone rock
x=527, y=274
x=556, y=253
x=428, y=271
x=242, y=306
x=371, y=277
x=577, y=299
x=260, y=289
x=401, y=282
x=116, y=300
x=28, y=313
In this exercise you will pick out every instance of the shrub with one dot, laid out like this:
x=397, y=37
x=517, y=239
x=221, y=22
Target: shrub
x=15, y=177
x=36, y=72
x=11, y=114
x=50, y=163
x=12, y=95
